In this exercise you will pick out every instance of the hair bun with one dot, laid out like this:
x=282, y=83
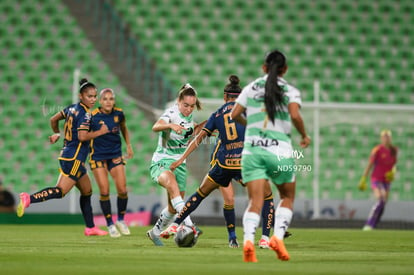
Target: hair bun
x=234, y=79
x=82, y=81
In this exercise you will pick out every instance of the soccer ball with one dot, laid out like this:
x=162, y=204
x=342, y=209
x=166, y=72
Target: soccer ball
x=185, y=236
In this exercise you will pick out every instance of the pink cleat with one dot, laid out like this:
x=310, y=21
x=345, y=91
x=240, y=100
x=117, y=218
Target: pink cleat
x=263, y=243
x=95, y=231
x=23, y=204
x=170, y=231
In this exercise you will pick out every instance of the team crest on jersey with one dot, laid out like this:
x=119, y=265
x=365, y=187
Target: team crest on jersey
x=116, y=119
x=73, y=111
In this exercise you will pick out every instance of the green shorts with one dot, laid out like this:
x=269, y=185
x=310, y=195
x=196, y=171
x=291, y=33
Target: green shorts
x=164, y=165
x=269, y=167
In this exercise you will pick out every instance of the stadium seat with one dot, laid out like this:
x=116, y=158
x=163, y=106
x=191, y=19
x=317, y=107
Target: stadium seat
x=204, y=41
x=39, y=72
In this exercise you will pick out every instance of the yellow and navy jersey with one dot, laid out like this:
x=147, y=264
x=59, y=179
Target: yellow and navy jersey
x=231, y=136
x=77, y=118
x=107, y=146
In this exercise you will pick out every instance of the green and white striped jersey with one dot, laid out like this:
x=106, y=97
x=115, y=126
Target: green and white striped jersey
x=260, y=131
x=170, y=144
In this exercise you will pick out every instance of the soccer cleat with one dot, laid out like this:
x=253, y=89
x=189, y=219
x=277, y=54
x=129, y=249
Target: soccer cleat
x=249, y=253
x=197, y=231
x=170, y=231
x=123, y=228
x=154, y=238
x=279, y=247
x=263, y=243
x=287, y=235
x=94, y=231
x=113, y=232
x=23, y=204
x=233, y=243
x=367, y=228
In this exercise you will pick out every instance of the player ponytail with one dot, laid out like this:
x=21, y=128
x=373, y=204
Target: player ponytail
x=275, y=62
x=188, y=90
x=84, y=84
x=233, y=88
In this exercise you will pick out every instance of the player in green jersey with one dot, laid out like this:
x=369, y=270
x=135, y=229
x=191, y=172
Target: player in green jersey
x=271, y=105
x=175, y=127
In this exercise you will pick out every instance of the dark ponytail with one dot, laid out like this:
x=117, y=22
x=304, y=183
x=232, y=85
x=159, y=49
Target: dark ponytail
x=84, y=84
x=275, y=62
x=233, y=88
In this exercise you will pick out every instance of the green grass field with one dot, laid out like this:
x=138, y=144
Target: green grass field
x=62, y=249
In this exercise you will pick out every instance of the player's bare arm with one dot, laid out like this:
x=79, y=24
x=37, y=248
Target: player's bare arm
x=236, y=114
x=54, y=124
x=85, y=135
x=298, y=123
x=161, y=125
x=125, y=134
x=191, y=147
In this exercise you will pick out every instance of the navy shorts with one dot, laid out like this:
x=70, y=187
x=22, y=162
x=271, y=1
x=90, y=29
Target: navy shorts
x=110, y=163
x=223, y=176
x=74, y=169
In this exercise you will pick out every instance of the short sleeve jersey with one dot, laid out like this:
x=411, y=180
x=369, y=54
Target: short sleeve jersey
x=107, y=146
x=231, y=136
x=383, y=160
x=172, y=145
x=77, y=118
x=260, y=131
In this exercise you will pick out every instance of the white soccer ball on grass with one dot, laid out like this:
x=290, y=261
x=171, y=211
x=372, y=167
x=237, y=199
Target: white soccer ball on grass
x=186, y=236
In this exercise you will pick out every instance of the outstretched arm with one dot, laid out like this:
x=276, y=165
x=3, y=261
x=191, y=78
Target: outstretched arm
x=191, y=147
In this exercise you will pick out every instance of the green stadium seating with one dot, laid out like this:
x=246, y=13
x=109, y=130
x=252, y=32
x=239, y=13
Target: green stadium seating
x=362, y=54
x=45, y=47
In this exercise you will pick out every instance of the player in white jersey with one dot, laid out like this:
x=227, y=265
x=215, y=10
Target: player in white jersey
x=270, y=105
x=175, y=128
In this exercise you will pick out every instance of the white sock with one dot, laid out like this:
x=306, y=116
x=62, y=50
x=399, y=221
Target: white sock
x=163, y=221
x=283, y=216
x=250, y=222
x=178, y=205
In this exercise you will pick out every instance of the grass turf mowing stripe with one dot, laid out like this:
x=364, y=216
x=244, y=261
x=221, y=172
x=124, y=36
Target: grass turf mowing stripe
x=63, y=249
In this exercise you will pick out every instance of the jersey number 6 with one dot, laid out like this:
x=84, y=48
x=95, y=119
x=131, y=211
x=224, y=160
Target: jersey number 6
x=231, y=130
